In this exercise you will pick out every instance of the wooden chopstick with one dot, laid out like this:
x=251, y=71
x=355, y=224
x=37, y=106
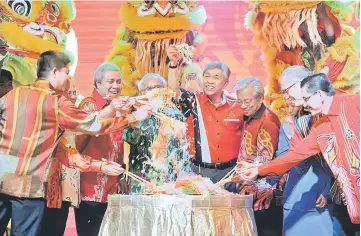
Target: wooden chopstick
x=136, y=177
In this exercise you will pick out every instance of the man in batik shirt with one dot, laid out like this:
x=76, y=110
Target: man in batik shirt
x=259, y=144
x=96, y=186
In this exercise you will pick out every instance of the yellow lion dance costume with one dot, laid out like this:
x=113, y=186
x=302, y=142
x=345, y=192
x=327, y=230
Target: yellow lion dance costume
x=28, y=28
x=298, y=33
x=149, y=27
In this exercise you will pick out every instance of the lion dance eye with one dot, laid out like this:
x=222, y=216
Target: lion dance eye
x=55, y=9
x=173, y=1
x=21, y=7
x=149, y=2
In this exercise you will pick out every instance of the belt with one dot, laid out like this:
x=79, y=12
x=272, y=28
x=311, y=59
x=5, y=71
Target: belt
x=220, y=166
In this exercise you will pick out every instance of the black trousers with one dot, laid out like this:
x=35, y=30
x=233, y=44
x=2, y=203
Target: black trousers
x=342, y=225
x=54, y=222
x=89, y=217
x=269, y=221
x=26, y=215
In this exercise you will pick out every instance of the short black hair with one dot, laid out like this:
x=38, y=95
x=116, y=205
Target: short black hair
x=50, y=59
x=318, y=81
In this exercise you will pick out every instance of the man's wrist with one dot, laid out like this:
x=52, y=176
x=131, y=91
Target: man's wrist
x=172, y=65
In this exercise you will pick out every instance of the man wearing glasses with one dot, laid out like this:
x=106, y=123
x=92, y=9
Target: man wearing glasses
x=258, y=145
x=308, y=184
x=336, y=135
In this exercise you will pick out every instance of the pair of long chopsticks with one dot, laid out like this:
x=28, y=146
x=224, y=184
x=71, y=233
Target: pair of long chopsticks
x=228, y=174
x=228, y=177
x=136, y=177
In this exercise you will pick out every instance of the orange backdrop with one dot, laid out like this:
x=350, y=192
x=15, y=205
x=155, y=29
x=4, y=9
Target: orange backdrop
x=96, y=24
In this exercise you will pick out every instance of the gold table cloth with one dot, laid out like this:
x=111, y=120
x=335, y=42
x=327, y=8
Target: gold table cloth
x=178, y=215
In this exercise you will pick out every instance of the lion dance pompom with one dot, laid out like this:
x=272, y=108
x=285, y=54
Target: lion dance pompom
x=149, y=27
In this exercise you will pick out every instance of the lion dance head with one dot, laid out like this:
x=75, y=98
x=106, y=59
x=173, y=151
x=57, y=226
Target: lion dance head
x=149, y=27
x=28, y=28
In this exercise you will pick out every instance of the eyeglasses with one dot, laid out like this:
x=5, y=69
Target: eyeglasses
x=288, y=89
x=308, y=98
x=73, y=93
x=246, y=102
x=150, y=88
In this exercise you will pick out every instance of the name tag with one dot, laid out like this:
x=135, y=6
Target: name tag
x=232, y=120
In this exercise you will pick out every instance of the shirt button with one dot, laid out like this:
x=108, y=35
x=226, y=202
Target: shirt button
x=218, y=158
x=217, y=121
x=218, y=146
x=217, y=133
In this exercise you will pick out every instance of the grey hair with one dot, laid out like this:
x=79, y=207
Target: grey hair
x=151, y=76
x=99, y=72
x=292, y=75
x=250, y=82
x=318, y=81
x=218, y=65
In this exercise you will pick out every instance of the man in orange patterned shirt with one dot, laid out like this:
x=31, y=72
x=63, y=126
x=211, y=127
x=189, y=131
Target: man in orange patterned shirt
x=31, y=117
x=258, y=145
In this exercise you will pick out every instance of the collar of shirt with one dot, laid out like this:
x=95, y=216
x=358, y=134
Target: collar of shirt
x=224, y=99
x=257, y=115
x=101, y=102
x=44, y=85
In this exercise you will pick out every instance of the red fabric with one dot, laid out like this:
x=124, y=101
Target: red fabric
x=96, y=186
x=259, y=144
x=224, y=137
x=335, y=68
x=337, y=136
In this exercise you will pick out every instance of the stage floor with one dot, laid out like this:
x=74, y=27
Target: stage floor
x=70, y=224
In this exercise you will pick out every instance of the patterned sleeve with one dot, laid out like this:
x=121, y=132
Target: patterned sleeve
x=74, y=119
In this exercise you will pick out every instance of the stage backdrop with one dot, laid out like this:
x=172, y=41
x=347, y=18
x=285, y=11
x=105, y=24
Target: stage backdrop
x=96, y=24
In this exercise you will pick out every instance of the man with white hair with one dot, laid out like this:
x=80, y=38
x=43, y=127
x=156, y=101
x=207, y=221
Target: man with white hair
x=108, y=148
x=308, y=184
x=259, y=144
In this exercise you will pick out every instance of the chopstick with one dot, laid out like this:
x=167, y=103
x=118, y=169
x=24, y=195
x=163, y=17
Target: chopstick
x=228, y=174
x=136, y=177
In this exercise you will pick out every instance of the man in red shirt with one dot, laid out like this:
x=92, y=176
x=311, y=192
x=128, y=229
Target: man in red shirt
x=336, y=135
x=258, y=145
x=95, y=187
x=214, y=122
